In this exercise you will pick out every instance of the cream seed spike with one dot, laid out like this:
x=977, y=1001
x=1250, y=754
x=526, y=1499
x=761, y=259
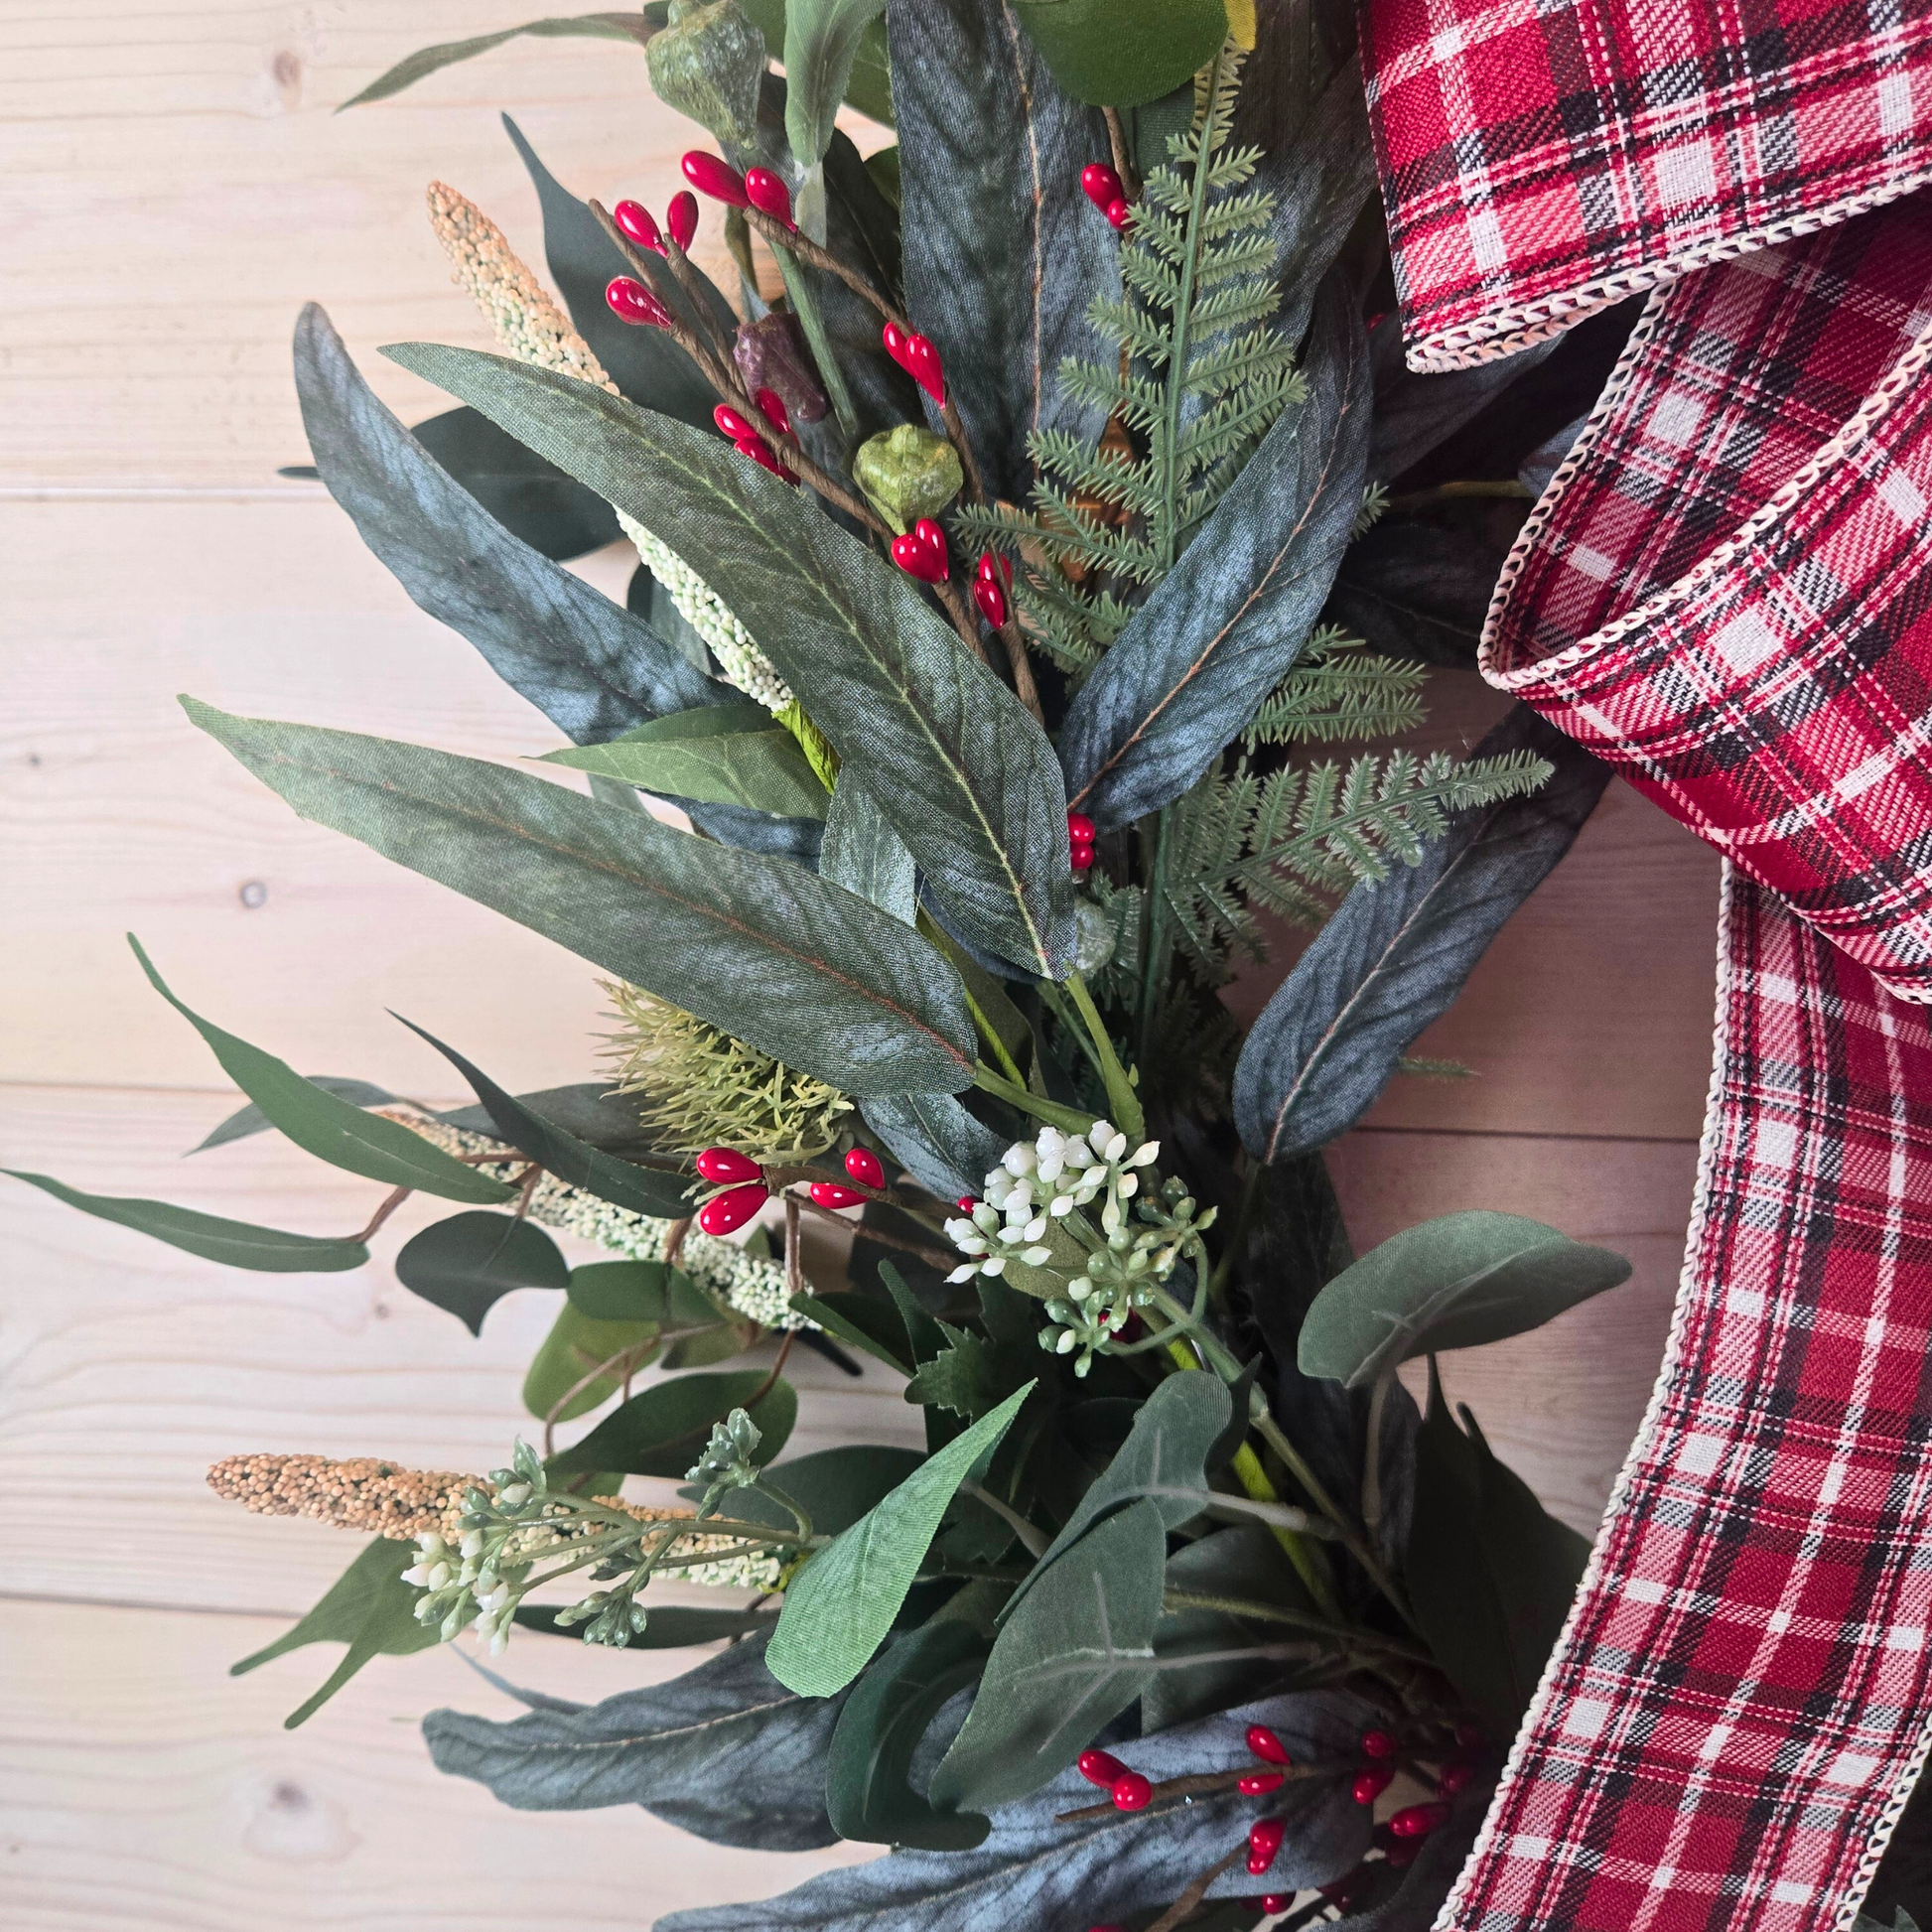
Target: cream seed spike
x=531, y=327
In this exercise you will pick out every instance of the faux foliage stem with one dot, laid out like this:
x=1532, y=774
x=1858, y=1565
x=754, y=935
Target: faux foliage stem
x=1129, y=1116
x=1070, y=1119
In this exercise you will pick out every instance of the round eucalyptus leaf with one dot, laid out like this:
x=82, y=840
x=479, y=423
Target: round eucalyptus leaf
x=469, y=1261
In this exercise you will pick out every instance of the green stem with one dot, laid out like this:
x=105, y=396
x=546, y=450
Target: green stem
x=1235, y=1232
x=1070, y=1119
x=805, y=303
x=1061, y=1008
x=1155, y=959
x=1126, y=1103
x=990, y=1035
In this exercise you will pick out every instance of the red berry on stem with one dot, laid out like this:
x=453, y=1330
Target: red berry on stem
x=721, y=1163
x=771, y=406
x=1471, y=1736
x=630, y=301
x=767, y=193
x=1261, y=1741
x=828, y=1194
x=1276, y=1902
x=1378, y=1743
x=863, y=1165
x=636, y=222
x=1455, y=1776
x=730, y=423
x=1119, y=213
x=1371, y=1783
x=1101, y=185
x=1265, y=1837
x=965, y=1203
x=1100, y=1767
x=681, y=218
x=994, y=568
x=921, y=362
x=894, y=340
x=1081, y=830
x=1132, y=1792
x=992, y=602
x=718, y=179
x=1258, y=1784
x=1417, y=1821
x=1404, y=1851
x=916, y=560
x=754, y=446
x=733, y=1210
x=1080, y=857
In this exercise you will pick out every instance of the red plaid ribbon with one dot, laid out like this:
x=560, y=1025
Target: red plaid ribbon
x=1728, y=591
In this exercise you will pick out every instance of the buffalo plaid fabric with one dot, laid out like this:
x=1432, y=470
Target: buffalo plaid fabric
x=1724, y=591
x=1541, y=158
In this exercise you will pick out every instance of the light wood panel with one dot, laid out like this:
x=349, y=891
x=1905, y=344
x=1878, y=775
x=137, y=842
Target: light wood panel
x=144, y=1790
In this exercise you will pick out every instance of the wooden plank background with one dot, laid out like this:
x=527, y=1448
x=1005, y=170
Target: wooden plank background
x=173, y=186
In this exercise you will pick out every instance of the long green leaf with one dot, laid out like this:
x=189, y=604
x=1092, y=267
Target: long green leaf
x=327, y=1126
x=761, y=947
x=822, y=41
x=725, y=754
x=870, y=85
x=841, y=1605
x=861, y=852
x=468, y=1263
x=236, y=1244
x=949, y=753
x=663, y=1430
x=636, y=28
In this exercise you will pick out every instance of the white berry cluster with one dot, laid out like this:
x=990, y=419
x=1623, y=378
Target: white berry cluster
x=1032, y=1227
x=741, y=660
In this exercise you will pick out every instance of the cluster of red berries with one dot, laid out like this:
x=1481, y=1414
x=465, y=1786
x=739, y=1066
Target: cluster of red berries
x=756, y=187
x=915, y=354
x=992, y=580
x=1080, y=835
x=747, y=1190
x=921, y=552
x=746, y=439
x=1107, y=191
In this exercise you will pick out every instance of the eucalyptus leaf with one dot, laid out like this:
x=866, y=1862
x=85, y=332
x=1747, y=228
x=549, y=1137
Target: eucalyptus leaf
x=636, y=28
x=1035, y=1871
x=840, y=1605
x=1459, y=1280
x=586, y=1109
x=868, y=1325
x=868, y=1786
x=1195, y=660
x=861, y=852
x=1398, y=950
x=1490, y=1574
x=821, y=43
x=531, y=498
x=724, y=1752
x=1003, y=251
x=1117, y=53
x=234, y=1244
x=326, y=1124
x=555, y=1386
x=244, y=1120
x=662, y=1430
x=1071, y=1655
x=947, y=751
x=468, y=1263
x=759, y=947
x=643, y=1190
x=669, y=1626
x=640, y=1291
x=936, y=1140
x=834, y=1488
x=588, y=665
x=369, y=1607
x=727, y=754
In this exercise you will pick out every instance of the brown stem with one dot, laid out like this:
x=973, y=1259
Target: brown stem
x=931, y=1256
x=1123, y=155
x=674, y=1237
x=1183, y=1906
x=795, y=1271
x=528, y=1186
x=583, y=1382
x=382, y=1213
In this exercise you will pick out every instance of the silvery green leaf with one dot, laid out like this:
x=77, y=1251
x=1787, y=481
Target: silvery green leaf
x=1002, y=252
x=719, y=753
x=636, y=28
x=1195, y=660
x=861, y=851
x=935, y=1140
x=1032, y=1870
x=725, y=1753
x=250, y=1119
x=591, y=666
x=1398, y=950
x=949, y=753
x=822, y=39
x=768, y=951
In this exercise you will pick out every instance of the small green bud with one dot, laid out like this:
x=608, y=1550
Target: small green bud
x=908, y=472
x=707, y=65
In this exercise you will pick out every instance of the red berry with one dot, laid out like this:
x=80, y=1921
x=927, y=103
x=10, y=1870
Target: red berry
x=1132, y=1792
x=1371, y=1783
x=1276, y=1902
x=1378, y=1743
x=1261, y=1741
x=767, y=193
x=1258, y=1784
x=1080, y=829
x=1417, y=1821
x=828, y=1194
x=1119, y=213
x=1455, y=1776
x=718, y=179
x=994, y=568
x=1080, y=857
x=732, y=1210
x=1342, y=1891
x=992, y=602
x=681, y=218
x=1470, y=1736
x=921, y=362
x=894, y=339
x=754, y=446
x=771, y=406
x=635, y=221
x=1101, y=185
x=1101, y=1767
x=917, y=557
x=863, y=1165
x=721, y=1163
x=730, y=423
x=965, y=1203
x=1265, y=1837
x=630, y=301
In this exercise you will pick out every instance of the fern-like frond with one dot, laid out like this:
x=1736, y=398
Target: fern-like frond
x=1339, y=689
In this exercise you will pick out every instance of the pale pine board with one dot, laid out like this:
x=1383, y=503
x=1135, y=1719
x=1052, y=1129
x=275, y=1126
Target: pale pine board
x=144, y=1790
